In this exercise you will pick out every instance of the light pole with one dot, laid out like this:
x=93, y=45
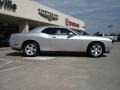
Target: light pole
x=110, y=27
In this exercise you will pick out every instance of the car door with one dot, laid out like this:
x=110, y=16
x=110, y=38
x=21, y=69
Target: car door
x=45, y=38
x=61, y=41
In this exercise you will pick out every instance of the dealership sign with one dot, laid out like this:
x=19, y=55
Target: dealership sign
x=8, y=5
x=71, y=23
x=48, y=15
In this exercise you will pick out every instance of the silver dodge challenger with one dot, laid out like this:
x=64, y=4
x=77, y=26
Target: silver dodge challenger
x=56, y=38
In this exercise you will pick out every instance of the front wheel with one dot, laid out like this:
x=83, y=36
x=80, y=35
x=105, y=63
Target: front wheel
x=95, y=50
x=31, y=49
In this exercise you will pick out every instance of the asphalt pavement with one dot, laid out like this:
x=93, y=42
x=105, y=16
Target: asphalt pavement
x=59, y=71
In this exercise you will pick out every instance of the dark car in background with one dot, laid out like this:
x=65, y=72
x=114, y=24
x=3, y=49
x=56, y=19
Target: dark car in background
x=118, y=38
x=4, y=42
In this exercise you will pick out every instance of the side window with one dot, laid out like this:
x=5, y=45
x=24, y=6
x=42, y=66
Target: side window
x=64, y=31
x=46, y=31
x=51, y=31
x=57, y=31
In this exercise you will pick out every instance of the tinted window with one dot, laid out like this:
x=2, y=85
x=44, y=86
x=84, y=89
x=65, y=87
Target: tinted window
x=80, y=32
x=64, y=31
x=51, y=31
x=57, y=31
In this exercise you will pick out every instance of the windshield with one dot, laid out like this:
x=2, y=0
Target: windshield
x=80, y=32
x=37, y=29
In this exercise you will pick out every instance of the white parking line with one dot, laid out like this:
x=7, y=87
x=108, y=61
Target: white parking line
x=10, y=61
x=6, y=51
x=20, y=66
x=40, y=58
x=27, y=58
x=11, y=68
x=6, y=63
x=5, y=60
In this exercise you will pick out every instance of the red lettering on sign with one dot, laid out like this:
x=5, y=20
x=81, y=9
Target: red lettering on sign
x=71, y=23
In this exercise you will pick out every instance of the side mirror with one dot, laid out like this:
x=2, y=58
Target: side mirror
x=70, y=35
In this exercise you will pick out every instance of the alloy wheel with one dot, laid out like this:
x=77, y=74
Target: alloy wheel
x=30, y=49
x=96, y=50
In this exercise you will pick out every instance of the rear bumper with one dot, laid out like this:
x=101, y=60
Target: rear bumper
x=15, y=47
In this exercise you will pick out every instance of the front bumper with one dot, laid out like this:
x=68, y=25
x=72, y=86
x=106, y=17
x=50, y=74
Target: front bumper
x=108, y=48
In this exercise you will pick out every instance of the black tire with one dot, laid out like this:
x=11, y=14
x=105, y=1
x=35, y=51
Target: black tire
x=31, y=49
x=95, y=50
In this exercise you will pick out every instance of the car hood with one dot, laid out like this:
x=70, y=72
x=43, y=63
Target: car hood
x=94, y=38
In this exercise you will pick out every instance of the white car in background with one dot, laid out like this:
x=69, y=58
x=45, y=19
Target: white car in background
x=56, y=38
x=112, y=37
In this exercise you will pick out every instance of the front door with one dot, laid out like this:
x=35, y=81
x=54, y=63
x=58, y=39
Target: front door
x=61, y=41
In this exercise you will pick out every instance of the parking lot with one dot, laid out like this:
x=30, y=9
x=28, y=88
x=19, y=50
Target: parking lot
x=59, y=71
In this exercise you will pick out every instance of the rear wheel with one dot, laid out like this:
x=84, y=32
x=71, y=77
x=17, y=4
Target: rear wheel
x=31, y=49
x=95, y=50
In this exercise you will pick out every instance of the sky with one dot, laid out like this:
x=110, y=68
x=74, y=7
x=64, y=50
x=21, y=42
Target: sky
x=97, y=14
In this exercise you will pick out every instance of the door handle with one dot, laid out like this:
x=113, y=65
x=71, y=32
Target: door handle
x=53, y=37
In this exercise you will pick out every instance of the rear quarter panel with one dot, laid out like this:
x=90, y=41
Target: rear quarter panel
x=41, y=39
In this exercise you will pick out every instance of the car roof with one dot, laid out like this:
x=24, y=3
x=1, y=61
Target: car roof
x=53, y=27
x=40, y=28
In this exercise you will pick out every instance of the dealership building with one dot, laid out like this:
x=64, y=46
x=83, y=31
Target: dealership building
x=23, y=15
